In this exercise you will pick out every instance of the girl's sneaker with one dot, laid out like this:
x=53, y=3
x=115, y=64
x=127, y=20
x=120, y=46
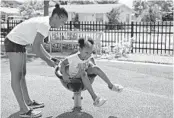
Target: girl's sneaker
x=35, y=105
x=117, y=88
x=99, y=102
x=31, y=114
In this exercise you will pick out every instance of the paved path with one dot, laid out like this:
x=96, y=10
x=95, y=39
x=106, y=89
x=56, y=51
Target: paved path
x=148, y=91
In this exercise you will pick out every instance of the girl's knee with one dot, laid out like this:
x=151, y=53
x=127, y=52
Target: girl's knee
x=18, y=74
x=83, y=74
x=94, y=70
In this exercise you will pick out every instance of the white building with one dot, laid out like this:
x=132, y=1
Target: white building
x=7, y=11
x=97, y=12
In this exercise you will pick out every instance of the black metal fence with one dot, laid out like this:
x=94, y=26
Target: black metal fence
x=150, y=38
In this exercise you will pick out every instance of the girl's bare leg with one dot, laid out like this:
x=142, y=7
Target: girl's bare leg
x=88, y=85
x=96, y=70
x=23, y=82
x=16, y=69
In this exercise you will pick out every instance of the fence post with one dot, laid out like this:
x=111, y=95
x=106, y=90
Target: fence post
x=8, y=28
x=132, y=34
x=71, y=25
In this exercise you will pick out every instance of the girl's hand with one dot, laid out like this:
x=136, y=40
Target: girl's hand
x=51, y=63
x=66, y=78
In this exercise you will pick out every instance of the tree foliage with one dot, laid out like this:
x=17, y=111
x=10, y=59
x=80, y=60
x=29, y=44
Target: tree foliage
x=151, y=11
x=29, y=8
x=113, y=17
x=10, y=3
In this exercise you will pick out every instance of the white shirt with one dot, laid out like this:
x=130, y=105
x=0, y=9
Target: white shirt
x=25, y=32
x=74, y=62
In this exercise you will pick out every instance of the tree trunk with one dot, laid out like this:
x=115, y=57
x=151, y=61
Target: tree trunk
x=46, y=7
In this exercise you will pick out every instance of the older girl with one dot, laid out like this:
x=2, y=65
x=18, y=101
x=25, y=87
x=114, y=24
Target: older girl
x=32, y=31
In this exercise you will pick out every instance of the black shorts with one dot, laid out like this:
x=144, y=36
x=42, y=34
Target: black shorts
x=13, y=47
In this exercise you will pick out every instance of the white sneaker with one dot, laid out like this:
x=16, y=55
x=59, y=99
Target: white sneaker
x=117, y=88
x=31, y=114
x=99, y=102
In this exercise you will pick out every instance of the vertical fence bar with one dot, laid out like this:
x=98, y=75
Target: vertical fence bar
x=143, y=47
x=124, y=30
x=102, y=35
x=165, y=36
x=132, y=34
x=121, y=32
x=140, y=43
x=111, y=40
x=154, y=42
x=151, y=41
x=162, y=38
x=136, y=33
x=158, y=37
x=139, y=33
x=147, y=39
x=118, y=41
x=82, y=25
x=8, y=28
x=170, y=26
x=70, y=25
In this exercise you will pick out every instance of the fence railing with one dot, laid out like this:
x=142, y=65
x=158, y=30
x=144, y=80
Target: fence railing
x=150, y=38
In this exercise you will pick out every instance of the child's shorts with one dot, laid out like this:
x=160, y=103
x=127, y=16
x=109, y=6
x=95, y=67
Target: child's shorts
x=13, y=47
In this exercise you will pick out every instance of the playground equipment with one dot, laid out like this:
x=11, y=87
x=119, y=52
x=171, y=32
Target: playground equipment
x=75, y=85
x=71, y=37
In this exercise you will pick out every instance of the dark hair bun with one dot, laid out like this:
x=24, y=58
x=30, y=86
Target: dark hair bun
x=57, y=6
x=81, y=42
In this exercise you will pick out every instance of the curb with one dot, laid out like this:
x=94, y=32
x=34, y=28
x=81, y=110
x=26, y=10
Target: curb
x=152, y=62
x=98, y=59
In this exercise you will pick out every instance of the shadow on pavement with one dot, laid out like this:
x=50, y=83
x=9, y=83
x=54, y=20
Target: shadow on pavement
x=74, y=115
x=112, y=117
x=14, y=115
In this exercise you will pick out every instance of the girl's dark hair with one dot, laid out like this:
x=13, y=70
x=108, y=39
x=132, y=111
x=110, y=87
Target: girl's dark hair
x=85, y=43
x=60, y=11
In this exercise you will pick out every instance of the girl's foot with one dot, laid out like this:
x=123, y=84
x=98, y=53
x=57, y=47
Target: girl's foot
x=99, y=102
x=35, y=105
x=116, y=87
x=31, y=114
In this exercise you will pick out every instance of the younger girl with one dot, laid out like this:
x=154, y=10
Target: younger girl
x=82, y=64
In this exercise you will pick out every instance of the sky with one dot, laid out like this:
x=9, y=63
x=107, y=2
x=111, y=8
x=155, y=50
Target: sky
x=129, y=3
x=126, y=2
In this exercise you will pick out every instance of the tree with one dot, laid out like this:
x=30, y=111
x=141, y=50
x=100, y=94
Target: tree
x=152, y=14
x=139, y=7
x=113, y=17
x=150, y=11
x=76, y=22
x=46, y=7
x=29, y=8
x=10, y=3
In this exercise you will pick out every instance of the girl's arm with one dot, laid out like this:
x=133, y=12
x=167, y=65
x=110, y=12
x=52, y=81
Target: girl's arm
x=92, y=60
x=39, y=50
x=63, y=70
x=63, y=64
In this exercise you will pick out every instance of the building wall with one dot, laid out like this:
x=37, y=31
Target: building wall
x=87, y=17
x=125, y=16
